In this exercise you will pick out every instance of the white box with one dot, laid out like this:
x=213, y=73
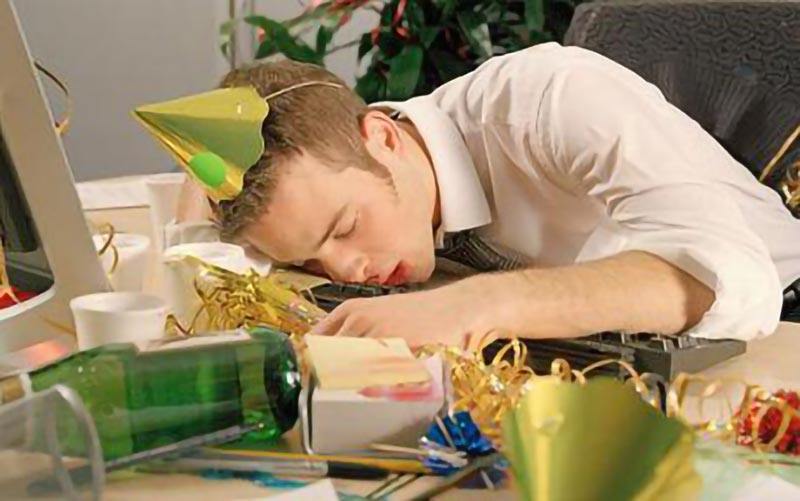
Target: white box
x=346, y=421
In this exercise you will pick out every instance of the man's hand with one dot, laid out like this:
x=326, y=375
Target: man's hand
x=451, y=315
x=630, y=292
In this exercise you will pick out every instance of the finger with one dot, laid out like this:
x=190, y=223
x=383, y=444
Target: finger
x=331, y=324
x=352, y=327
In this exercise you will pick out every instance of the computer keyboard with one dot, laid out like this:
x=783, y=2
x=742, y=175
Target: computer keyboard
x=665, y=356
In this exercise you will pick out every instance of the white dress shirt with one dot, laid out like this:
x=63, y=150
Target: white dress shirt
x=564, y=156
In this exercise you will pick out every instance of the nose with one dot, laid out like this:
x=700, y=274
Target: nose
x=346, y=265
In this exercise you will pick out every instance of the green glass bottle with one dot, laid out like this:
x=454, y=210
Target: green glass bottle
x=141, y=400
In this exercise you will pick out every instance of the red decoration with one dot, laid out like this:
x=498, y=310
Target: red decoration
x=768, y=427
x=7, y=301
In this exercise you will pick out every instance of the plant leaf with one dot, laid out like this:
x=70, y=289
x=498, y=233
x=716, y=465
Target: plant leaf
x=371, y=86
x=299, y=51
x=428, y=34
x=415, y=16
x=266, y=49
x=447, y=65
x=225, y=32
x=404, y=72
x=447, y=7
x=365, y=45
x=476, y=31
x=534, y=15
x=290, y=46
x=266, y=24
x=324, y=37
x=389, y=43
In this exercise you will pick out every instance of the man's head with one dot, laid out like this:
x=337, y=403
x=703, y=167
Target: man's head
x=340, y=187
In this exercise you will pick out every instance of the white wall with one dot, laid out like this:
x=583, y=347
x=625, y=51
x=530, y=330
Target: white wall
x=116, y=54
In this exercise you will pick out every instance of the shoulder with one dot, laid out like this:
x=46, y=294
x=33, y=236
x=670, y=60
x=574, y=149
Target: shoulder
x=511, y=88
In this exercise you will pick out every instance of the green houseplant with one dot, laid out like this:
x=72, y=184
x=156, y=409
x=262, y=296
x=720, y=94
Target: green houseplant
x=417, y=44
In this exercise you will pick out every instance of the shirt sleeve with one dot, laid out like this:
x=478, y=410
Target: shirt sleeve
x=668, y=186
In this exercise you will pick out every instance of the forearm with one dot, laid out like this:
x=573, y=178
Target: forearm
x=630, y=292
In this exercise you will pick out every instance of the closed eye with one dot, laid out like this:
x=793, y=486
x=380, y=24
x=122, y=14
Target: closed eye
x=349, y=231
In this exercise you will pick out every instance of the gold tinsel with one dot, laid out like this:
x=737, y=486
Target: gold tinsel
x=231, y=300
x=489, y=389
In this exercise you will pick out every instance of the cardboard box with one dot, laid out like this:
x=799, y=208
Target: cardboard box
x=346, y=421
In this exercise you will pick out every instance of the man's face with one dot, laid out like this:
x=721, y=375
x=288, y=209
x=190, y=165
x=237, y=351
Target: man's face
x=350, y=223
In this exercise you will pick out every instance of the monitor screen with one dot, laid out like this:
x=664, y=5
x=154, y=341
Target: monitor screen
x=50, y=255
x=28, y=272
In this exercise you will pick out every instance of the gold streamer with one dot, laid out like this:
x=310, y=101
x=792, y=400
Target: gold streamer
x=755, y=403
x=5, y=281
x=490, y=389
x=230, y=301
x=108, y=244
x=790, y=184
x=62, y=126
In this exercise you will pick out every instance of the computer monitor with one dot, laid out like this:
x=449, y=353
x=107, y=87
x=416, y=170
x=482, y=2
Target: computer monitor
x=49, y=249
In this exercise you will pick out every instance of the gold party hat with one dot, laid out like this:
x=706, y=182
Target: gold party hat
x=600, y=440
x=216, y=136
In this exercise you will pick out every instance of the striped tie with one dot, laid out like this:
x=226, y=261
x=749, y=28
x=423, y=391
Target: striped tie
x=470, y=250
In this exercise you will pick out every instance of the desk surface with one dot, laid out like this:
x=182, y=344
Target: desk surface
x=768, y=362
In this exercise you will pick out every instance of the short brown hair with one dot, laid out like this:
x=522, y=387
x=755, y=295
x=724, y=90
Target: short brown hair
x=319, y=119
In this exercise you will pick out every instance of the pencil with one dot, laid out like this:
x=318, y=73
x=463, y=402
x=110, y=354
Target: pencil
x=393, y=465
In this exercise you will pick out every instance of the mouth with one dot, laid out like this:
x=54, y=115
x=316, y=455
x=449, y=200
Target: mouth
x=399, y=275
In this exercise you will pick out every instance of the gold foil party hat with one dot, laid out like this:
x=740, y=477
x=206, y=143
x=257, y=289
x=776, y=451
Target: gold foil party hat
x=600, y=440
x=216, y=136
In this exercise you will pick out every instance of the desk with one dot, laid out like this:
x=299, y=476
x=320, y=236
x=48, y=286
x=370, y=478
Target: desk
x=768, y=361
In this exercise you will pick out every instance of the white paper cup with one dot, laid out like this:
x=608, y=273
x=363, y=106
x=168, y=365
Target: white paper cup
x=179, y=275
x=163, y=192
x=118, y=317
x=131, y=267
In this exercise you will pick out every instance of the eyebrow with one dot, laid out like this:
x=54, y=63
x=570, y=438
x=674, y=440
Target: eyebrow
x=331, y=227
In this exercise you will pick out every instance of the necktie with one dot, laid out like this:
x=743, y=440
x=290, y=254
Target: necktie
x=466, y=248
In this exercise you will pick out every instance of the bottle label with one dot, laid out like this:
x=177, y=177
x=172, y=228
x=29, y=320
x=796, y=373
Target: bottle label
x=14, y=388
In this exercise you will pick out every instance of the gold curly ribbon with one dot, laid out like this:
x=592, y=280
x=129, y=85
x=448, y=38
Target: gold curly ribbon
x=790, y=184
x=109, y=230
x=62, y=126
x=231, y=300
x=5, y=281
x=489, y=389
x=726, y=427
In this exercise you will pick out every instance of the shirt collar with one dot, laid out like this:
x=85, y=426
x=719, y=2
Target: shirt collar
x=462, y=201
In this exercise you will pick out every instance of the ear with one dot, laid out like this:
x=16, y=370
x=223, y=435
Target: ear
x=380, y=134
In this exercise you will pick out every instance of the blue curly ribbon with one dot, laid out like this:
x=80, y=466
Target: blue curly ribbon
x=464, y=436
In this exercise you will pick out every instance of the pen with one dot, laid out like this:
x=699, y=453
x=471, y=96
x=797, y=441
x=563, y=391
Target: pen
x=392, y=464
x=293, y=468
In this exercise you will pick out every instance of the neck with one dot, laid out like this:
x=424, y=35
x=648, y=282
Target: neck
x=420, y=150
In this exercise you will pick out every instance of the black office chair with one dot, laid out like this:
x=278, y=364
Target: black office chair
x=733, y=66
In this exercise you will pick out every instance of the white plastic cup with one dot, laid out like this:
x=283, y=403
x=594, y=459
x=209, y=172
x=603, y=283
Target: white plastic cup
x=38, y=432
x=163, y=192
x=179, y=275
x=118, y=317
x=128, y=275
